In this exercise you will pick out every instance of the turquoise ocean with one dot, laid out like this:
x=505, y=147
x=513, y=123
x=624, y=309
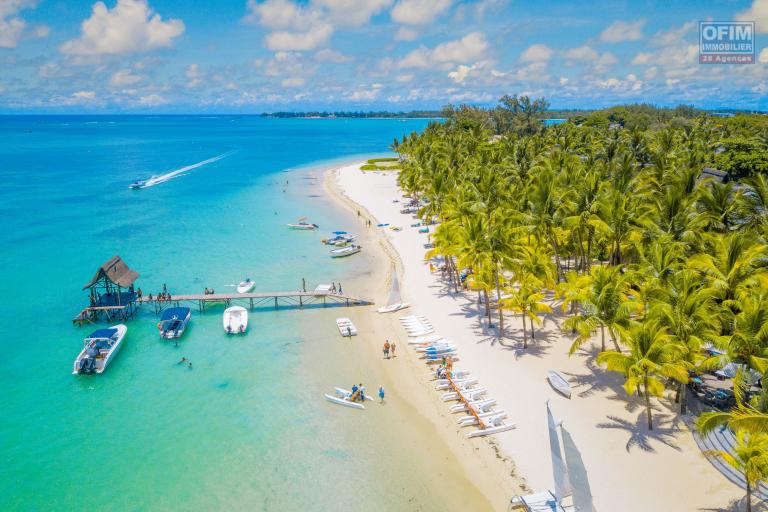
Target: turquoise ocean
x=246, y=428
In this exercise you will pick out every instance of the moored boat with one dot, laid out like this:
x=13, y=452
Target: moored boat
x=235, y=320
x=345, y=251
x=344, y=402
x=246, y=286
x=173, y=322
x=346, y=327
x=100, y=348
x=303, y=225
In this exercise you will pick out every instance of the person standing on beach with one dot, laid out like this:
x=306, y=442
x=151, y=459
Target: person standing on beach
x=381, y=394
x=340, y=292
x=392, y=348
x=386, y=349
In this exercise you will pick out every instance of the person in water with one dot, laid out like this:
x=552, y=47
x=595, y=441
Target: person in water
x=183, y=360
x=190, y=365
x=381, y=394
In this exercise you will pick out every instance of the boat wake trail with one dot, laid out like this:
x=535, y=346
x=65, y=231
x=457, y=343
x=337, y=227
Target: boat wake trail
x=156, y=180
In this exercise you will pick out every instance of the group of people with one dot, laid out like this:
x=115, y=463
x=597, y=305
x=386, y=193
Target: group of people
x=358, y=393
x=161, y=296
x=443, y=371
x=389, y=347
x=208, y=292
x=186, y=362
x=334, y=289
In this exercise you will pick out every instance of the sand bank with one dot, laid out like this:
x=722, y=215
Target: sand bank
x=630, y=468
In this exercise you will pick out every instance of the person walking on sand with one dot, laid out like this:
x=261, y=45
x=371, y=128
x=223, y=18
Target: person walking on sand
x=392, y=348
x=381, y=394
x=386, y=349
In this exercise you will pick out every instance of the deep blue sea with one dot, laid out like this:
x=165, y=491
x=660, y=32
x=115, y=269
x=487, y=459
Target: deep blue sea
x=246, y=428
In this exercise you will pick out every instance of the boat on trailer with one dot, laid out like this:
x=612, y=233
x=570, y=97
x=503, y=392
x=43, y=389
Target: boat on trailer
x=173, y=322
x=235, y=320
x=100, y=347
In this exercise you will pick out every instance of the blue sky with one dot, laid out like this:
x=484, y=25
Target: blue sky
x=252, y=56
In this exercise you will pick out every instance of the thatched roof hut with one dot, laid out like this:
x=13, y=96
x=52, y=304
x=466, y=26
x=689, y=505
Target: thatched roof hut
x=116, y=271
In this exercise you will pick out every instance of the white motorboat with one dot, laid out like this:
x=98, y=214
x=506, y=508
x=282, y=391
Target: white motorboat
x=557, y=381
x=346, y=327
x=173, y=322
x=246, y=286
x=303, y=226
x=342, y=401
x=339, y=240
x=393, y=307
x=345, y=251
x=235, y=320
x=100, y=347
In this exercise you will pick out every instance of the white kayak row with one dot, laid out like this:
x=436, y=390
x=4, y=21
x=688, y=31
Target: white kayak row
x=346, y=327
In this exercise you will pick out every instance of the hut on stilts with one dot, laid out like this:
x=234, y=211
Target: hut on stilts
x=111, y=295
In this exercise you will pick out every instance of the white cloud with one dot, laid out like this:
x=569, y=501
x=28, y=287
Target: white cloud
x=194, y=76
x=280, y=14
x=582, y=53
x=331, y=56
x=12, y=26
x=672, y=35
x=761, y=88
x=123, y=78
x=467, y=49
x=763, y=57
x=352, y=12
x=365, y=94
x=130, y=27
x=460, y=74
x=405, y=77
x=758, y=13
x=537, y=53
x=295, y=81
x=651, y=73
x=299, y=41
x=418, y=12
x=606, y=61
x=152, y=100
x=642, y=58
x=620, y=31
x=84, y=95
x=406, y=34
x=42, y=31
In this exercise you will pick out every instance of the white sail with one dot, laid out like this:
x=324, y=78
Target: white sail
x=559, y=471
x=582, y=495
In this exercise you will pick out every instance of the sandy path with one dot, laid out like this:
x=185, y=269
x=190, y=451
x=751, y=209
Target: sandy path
x=630, y=468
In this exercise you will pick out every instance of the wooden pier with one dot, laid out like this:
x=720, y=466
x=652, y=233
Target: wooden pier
x=260, y=299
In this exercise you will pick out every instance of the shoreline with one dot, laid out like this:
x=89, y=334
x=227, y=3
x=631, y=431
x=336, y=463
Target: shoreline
x=607, y=426
x=481, y=462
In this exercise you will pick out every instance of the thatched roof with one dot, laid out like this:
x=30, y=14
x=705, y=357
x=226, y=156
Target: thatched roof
x=116, y=271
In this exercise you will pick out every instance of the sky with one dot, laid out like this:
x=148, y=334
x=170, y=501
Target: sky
x=253, y=56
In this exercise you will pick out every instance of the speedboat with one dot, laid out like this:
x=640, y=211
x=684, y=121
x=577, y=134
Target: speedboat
x=345, y=251
x=99, y=350
x=246, y=286
x=235, y=320
x=340, y=240
x=137, y=184
x=303, y=225
x=173, y=322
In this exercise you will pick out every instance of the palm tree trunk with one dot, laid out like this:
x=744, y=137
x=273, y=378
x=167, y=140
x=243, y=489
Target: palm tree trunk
x=602, y=337
x=683, y=398
x=647, y=401
x=525, y=333
x=498, y=300
x=487, y=306
x=749, y=497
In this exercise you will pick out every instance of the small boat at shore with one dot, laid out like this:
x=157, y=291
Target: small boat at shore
x=344, y=402
x=246, y=286
x=303, y=224
x=393, y=307
x=345, y=251
x=346, y=328
x=235, y=320
x=500, y=426
x=340, y=240
x=557, y=381
x=100, y=348
x=348, y=394
x=173, y=322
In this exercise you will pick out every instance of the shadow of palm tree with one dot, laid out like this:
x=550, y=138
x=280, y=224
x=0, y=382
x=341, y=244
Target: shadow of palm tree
x=664, y=431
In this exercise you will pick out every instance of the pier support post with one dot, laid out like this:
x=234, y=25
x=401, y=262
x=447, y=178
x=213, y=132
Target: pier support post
x=251, y=303
x=301, y=304
x=275, y=301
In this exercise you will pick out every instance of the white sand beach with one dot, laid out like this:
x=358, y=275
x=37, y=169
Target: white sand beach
x=630, y=468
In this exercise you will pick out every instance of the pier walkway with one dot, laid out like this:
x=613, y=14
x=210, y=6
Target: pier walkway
x=260, y=299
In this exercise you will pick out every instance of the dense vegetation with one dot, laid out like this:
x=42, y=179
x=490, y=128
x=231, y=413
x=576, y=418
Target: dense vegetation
x=381, y=164
x=413, y=114
x=615, y=221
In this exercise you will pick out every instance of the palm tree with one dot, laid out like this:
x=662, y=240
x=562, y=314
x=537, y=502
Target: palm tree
x=526, y=298
x=651, y=355
x=605, y=307
x=573, y=291
x=749, y=457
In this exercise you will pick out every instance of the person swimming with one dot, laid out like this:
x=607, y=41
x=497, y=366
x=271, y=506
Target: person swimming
x=183, y=360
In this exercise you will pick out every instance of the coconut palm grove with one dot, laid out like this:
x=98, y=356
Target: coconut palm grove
x=647, y=226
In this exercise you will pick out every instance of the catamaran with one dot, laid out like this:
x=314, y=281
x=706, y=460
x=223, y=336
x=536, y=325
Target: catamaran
x=99, y=350
x=246, y=286
x=303, y=224
x=173, y=322
x=345, y=251
x=235, y=320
